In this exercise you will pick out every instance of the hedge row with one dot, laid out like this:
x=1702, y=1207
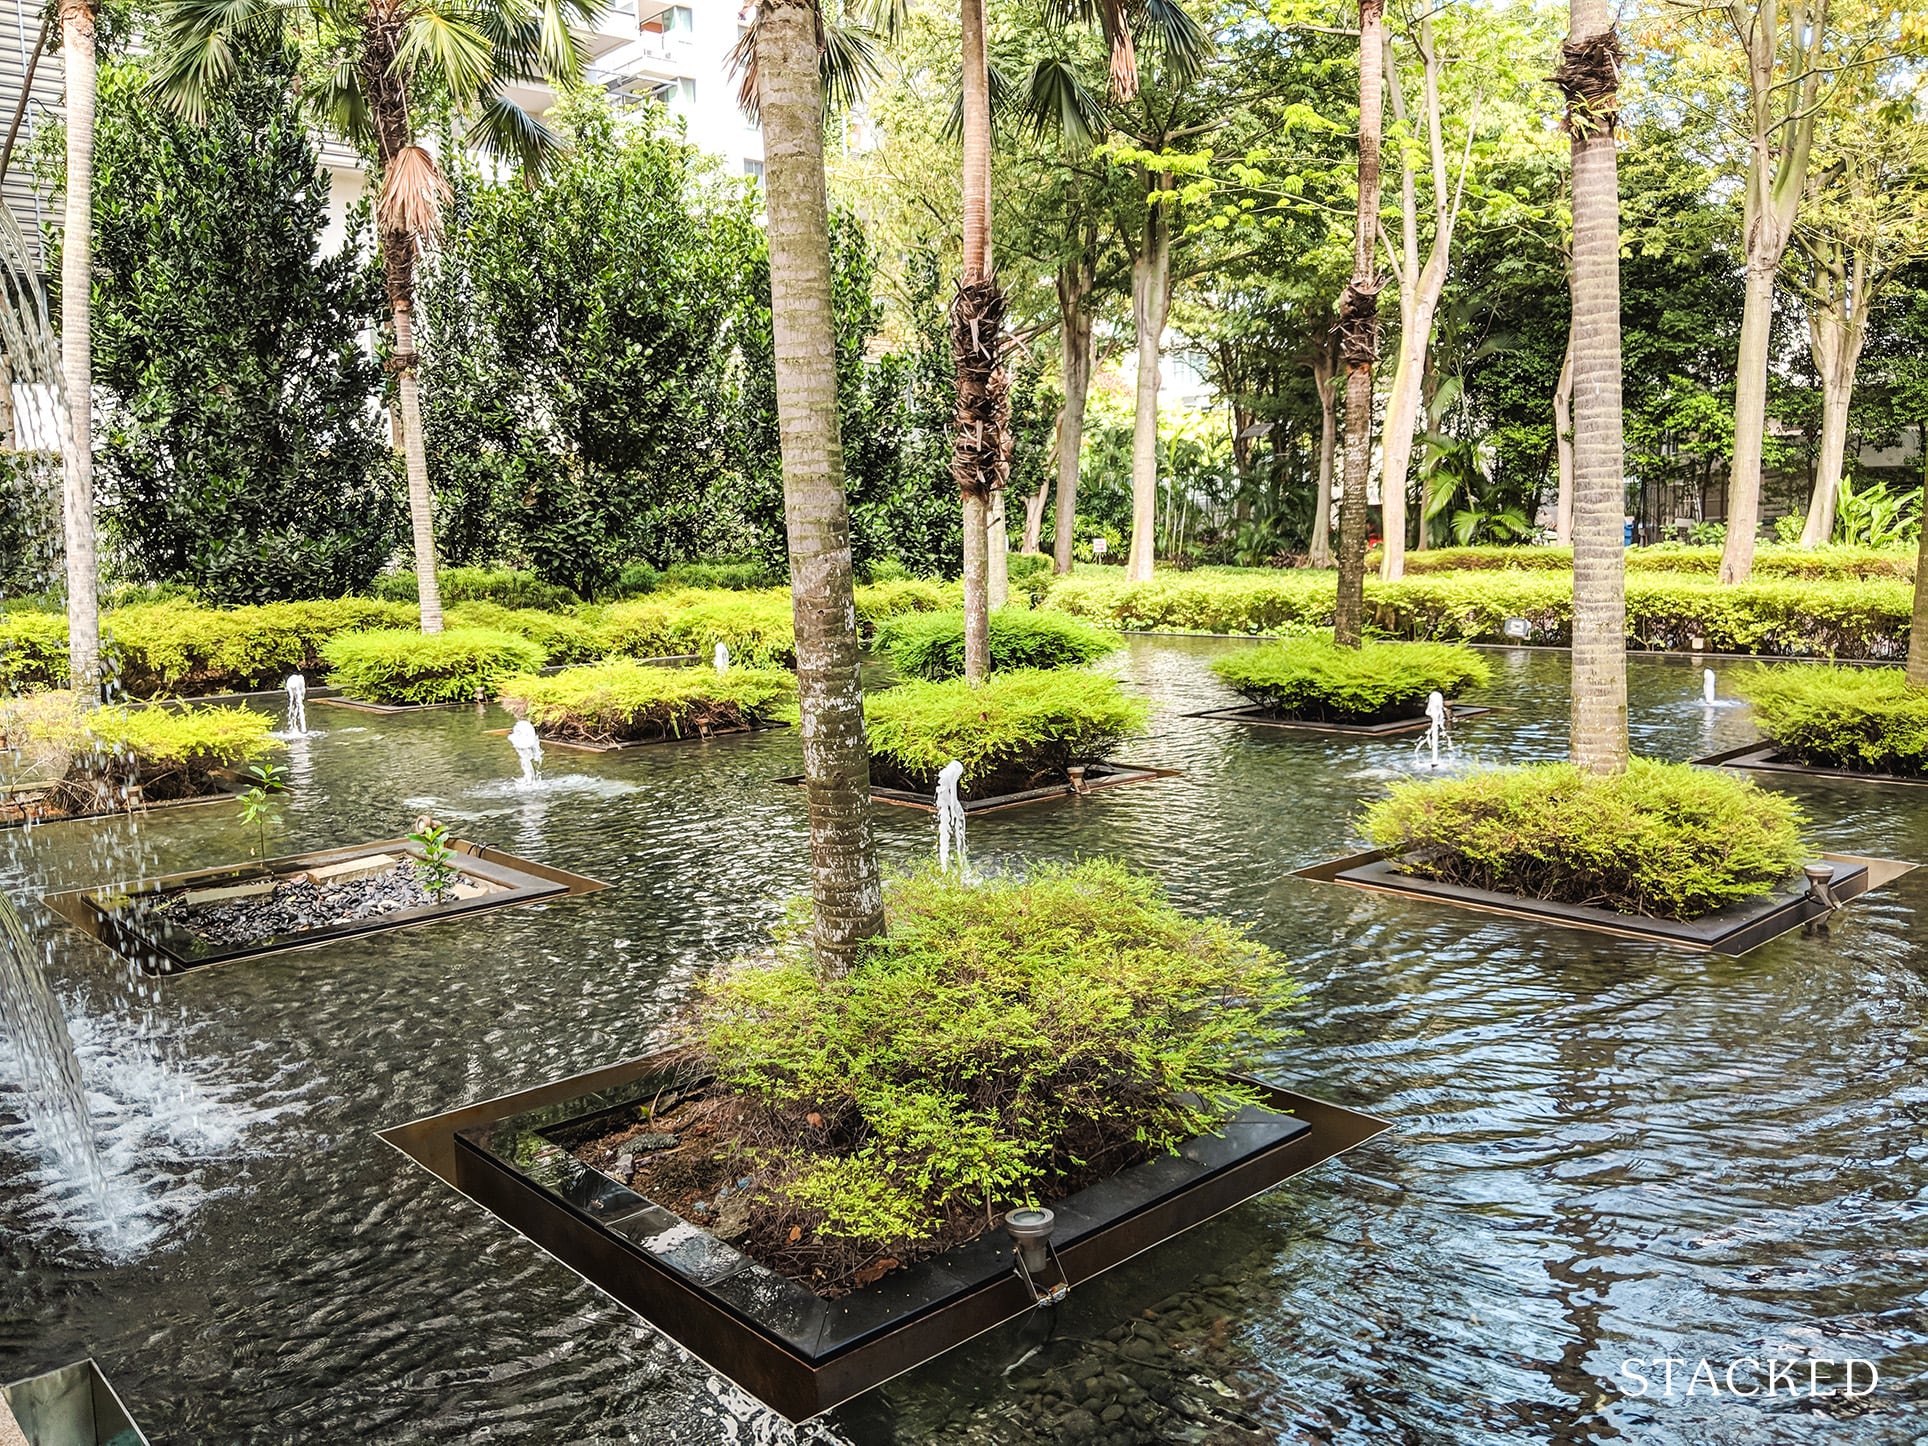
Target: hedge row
x=1785, y=617
x=1769, y=561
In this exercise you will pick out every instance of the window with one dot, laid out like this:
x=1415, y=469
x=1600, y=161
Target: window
x=672, y=92
x=678, y=20
x=753, y=167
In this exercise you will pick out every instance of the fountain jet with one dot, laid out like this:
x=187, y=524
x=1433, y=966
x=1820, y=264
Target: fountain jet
x=528, y=748
x=950, y=816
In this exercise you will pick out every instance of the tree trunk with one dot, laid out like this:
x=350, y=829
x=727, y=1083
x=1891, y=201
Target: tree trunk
x=1750, y=417
x=1563, y=449
x=1359, y=333
x=1835, y=337
x=1918, y=623
x=1150, y=302
x=76, y=351
x=1075, y=283
x=421, y=502
x=1034, y=505
x=845, y=886
x=1325, y=363
x=997, y=542
x=1588, y=74
x=977, y=335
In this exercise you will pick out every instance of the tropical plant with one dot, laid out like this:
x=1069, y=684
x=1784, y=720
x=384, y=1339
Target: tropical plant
x=931, y=645
x=438, y=866
x=1875, y=516
x=379, y=63
x=1865, y=719
x=265, y=780
x=1313, y=678
x=623, y=701
x=408, y=669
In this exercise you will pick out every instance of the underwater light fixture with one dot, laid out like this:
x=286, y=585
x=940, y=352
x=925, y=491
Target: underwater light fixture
x=1030, y=1231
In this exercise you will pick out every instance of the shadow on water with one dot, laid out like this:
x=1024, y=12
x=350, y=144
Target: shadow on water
x=1604, y=1150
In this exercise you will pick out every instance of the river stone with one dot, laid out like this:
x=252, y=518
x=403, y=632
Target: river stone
x=1079, y=1425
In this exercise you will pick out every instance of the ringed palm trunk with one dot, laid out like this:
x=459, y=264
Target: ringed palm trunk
x=1150, y=303
x=1359, y=333
x=1918, y=624
x=399, y=249
x=76, y=352
x=844, y=883
x=977, y=326
x=1587, y=73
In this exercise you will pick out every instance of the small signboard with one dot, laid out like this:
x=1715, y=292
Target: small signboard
x=1518, y=628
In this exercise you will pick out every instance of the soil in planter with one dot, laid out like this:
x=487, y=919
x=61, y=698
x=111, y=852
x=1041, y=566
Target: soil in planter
x=295, y=905
x=695, y=1152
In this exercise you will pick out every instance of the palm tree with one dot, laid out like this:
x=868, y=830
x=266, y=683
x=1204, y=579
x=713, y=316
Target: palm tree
x=382, y=56
x=76, y=352
x=1588, y=73
x=977, y=341
x=1358, y=330
x=845, y=884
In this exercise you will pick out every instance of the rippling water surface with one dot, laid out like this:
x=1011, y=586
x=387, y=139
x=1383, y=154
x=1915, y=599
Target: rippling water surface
x=1603, y=1149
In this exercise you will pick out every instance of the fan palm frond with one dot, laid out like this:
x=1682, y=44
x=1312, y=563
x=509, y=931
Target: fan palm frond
x=445, y=43
x=413, y=193
x=847, y=61
x=505, y=130
x=1057, y=103
x=1169, y=29
x=197, y=47
x=1006, y=99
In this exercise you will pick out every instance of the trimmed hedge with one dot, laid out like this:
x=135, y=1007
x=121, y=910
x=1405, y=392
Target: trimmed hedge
x=108, y=757
x=1867, y=719
x=403, y=667
x=1314, y=679
x=183, y=650
x=624, y=701
x=1769, y=561
x=564, y=638
x=757, y=627
x=33, y=651
x=931, y=645
x=1665, y=840
x=504, y=586
x=1014, y=731
x=878, y=601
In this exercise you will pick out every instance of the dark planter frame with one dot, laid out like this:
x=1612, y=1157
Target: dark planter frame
x=1765, y=757
x=71, y=1405
x=1259, y=716
x=166, y=950
x=573, y=746
x=232, y=786
x=800, y=1354
x=362, y=705
x=1733, y=930
x=1116, y=775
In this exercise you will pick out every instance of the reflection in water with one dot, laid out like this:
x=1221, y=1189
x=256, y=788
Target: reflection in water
x=1604, y=1150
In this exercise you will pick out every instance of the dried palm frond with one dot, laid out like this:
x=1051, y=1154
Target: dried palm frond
x=414, y=191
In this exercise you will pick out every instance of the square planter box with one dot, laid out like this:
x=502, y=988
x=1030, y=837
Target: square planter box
x=1766, y=757
x=793, y=1350
x=572, y=746
x=17, y=804
x=362, y=705
x=1100, y=775
x=1257, y=714
x=1733, y=930
x=69, y=1406
x=124, y=916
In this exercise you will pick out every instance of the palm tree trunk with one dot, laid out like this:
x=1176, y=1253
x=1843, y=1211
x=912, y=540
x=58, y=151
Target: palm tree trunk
x=1324, y=364
x=1074, y=288
x=1359, y=333
x=1918, y=623
x=1150, y=303
x=76, y=352
x=1563, y=449
x=977, y=334
x=845, y=886
x=421, y=502
x=1588, y=74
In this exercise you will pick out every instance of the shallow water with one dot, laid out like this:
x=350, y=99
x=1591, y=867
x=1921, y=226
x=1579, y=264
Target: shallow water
x=1603, y=1149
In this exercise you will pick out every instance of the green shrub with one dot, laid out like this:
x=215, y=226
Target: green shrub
x=1867, y=719
x=1007, y=1042
x=103, y=756
x=1014, y=731
x=1197, y=602
x=1769, y=561
x=623, y=700
x=877, y=601
x=505, y=586
x=1487, y=558
x=1311, y=678
x=1662, y=839
x=33, y=651
x=183, y=650
x=734, y=576
x=564, y=638
x=931, y=645
x=757, y=627
x=403, y=667
x=1030, y=576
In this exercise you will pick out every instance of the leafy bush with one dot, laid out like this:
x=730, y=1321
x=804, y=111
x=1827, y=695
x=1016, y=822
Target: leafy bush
x=1769, y=561
x=1014, y=731
x=931, y=645
x=877, y=601
x=1313, y=679
x=1662, y=839
x=402, y=667
x=623, y=700
x=106, y=756
x=565, y=639
x=33, y=651
x=1867, y=719
x=180, y=649
x=1008, y=1041
x=757, y=627
x=1030, y=576
x=734, y=576
x=1487, y=558
x=506, y=587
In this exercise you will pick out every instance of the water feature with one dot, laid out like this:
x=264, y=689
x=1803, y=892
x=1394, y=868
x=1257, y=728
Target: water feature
x=528, y=749
x=1709, y=684
x=1438, y=729
x=1603, y=1153
x=297, y=690
x=950, y=816
x=721, y=659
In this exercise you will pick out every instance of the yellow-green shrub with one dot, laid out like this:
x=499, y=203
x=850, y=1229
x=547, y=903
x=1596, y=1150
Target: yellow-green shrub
x=757, y=627
x=622, y=700
x=181, y=649
x=403, y=668
x=1869, y=719
x=33, y=651
x=564, y=638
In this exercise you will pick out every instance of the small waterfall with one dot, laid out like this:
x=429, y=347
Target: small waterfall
x=950, y=816
x=297, y=687
x=56, y=1098
x=528, y=748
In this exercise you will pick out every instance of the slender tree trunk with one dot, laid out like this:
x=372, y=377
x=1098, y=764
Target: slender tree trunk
x=845, y=886
x=76, y=350
x=1075, y=326
x=1034, y=504
x=421, y=502
x=1750, y=420
x=1835, y=339
x=1359, y=333
x=1588, y=74
x=1150, y=302
x=1325, y=363
x=997, y=541
x=977, y=337
x=1563, y=449
x=1918, y=623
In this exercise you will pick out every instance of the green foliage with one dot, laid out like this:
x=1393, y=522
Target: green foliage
x=190, y=736
x=1006, y=1036
x=1667, y=840
x=757, y=627
x=33, y=651
x=105, y=757
x=1010, y=732
x=257, y=801
x=438, y=856
x=504, y=586
x=1876, y=516
x=236, y=447
x=878, y=600
x=931, y=645
x=1311, y=678
x=1030, y=575
x=565, y=639
x=1867, y=719
x=622, y=700
x=1769, y=561
x=176, y=648
x=736, y=576
x=403, y=667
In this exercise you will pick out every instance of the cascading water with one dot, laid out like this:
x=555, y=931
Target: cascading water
x=950, y=816
x=1707, y=682
x=528, y=748
x=297, y=687
x=721, y=659
x=1439, y=729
